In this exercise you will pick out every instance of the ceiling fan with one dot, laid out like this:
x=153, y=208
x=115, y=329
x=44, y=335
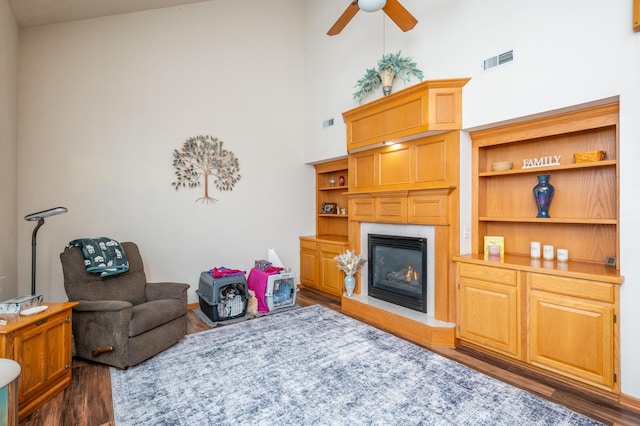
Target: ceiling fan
x=392, y=8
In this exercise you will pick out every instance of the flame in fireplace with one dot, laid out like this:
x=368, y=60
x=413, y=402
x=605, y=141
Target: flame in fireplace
x=411, y=274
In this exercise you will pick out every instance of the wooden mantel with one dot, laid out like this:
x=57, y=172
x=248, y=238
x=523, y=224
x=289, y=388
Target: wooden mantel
x=426, y=108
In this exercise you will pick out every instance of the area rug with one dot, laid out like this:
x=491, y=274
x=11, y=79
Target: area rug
x=314, y=366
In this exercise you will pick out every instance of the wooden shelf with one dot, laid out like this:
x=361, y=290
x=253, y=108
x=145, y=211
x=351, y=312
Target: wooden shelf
x=539, y=170
x=585, y=221
x=334, y=188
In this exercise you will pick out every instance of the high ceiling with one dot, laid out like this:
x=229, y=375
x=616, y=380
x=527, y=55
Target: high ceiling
x=41, y=12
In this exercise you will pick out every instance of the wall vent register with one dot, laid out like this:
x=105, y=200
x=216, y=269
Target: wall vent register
x=497, y=60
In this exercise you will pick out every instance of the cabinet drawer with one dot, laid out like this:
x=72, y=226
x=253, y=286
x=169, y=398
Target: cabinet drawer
x=488, y=273
x=306, y=244
x=585, y=289
x=336, y=248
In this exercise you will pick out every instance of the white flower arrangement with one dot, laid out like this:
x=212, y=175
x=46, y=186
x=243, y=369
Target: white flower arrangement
x=349, y=262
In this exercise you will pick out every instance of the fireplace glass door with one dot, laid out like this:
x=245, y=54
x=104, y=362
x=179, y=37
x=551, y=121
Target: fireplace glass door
x=398, y=270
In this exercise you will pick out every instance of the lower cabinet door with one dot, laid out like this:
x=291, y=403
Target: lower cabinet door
x=44, y=353
x=573, y=337
x=331, y=278
x=489, y=315
x=309, y=263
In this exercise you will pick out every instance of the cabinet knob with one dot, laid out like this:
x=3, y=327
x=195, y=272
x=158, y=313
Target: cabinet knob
x=67, y=366
x=67, y=320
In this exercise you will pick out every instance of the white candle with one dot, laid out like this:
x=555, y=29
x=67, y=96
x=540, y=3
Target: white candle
x=547, y=252
x=563, y=255
x=535, y=249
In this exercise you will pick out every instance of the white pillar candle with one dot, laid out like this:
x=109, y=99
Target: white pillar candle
x=563, y=255
x=535, y=249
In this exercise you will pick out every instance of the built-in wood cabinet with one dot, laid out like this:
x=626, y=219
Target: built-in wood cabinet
x=428, y=107
x=409, y=182
x=489, y=314
x=556, y=316
x=404, y=169
x=318, y=269
x=41, y=344
x=413, y=182
x=564, y=323
x=572, y=326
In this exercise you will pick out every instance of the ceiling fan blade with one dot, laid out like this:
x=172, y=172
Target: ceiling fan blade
x=400, y=15
x=344, y=19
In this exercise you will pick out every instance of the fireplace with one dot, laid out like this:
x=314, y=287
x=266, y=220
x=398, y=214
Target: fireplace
x=397, y=271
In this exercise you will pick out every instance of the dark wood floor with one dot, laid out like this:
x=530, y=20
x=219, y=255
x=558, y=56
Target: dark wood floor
x=87, y=401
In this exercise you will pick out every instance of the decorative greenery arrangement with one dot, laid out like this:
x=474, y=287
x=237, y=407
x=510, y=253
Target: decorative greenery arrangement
x=349, y=262
x=392, y=65
x=203, y=156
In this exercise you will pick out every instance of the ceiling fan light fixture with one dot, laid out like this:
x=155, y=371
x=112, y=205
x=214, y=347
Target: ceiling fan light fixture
x=371, y=5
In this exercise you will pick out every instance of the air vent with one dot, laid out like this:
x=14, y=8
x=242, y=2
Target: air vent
x=497, y=60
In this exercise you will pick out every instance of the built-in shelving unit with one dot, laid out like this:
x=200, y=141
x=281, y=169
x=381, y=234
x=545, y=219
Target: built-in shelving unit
x=317, y=266
x=332, y=225
x=584, y=210
x=555, y=316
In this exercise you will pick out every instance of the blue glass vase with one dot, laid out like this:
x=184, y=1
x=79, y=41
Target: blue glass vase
x=543, y=192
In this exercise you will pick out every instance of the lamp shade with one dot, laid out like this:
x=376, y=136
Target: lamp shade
x=371, y=5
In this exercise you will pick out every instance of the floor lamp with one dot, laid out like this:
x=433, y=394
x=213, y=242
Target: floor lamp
x=39, y=216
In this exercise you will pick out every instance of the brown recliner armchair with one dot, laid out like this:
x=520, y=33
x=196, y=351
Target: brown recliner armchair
x=122, y=320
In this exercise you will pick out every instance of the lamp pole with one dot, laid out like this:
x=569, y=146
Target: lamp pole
x=33, y=255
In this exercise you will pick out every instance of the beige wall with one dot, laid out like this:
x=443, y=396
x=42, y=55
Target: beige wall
x=8, y=83
x=104, y=102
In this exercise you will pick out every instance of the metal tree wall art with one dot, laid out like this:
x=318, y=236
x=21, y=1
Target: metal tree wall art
x=203, y=156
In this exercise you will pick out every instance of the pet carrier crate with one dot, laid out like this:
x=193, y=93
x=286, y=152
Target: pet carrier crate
x=281, y=291
x=222, y=298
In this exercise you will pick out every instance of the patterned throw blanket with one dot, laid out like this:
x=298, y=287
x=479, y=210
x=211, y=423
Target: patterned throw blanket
x=103, y=256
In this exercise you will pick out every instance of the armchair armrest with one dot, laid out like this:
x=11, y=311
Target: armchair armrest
x=166, y=290
x=102, y=327
x=101, y=305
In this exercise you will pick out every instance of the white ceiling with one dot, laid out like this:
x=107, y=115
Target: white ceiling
x=41, y=12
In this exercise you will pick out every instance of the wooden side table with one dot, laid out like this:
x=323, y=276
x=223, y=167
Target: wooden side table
x=41, y=344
